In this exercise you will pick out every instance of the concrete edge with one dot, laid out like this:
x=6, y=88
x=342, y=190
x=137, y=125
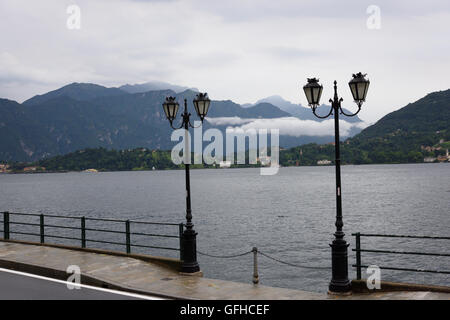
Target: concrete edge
x=171, y=263
x=360, y=286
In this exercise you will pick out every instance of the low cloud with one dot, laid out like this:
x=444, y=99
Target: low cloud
x=233, y=121
x=289, y=126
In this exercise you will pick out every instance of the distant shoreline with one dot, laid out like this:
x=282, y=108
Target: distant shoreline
x=233, y=167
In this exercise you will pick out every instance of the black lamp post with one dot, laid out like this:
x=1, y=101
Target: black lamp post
x=189, y=242
x=339, y=257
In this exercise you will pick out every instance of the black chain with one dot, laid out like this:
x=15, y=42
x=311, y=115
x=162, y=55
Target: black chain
x=265, y=255
x=225, y=257
x=291, y=264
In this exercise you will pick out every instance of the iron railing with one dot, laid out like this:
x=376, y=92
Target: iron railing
x=358, y=251
x=81, y=226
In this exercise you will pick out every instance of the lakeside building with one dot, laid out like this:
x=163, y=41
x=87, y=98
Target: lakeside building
x=439, y=158
x=264, y=160
x=430, y=149
x=33, y=169
x=323, y=162
x=442, y=158
x=224, y=164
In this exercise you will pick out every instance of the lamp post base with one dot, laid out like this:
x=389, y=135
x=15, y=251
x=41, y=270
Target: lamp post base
x=332, y=293
x=339, y=260
x=189, y=252
x=189, y=268
x=340, y=288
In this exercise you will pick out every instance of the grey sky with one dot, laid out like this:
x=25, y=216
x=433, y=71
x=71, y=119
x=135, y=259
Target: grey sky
x=241, y=50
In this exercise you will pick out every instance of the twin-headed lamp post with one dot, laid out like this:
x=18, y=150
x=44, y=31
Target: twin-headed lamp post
x=313, y=91
x=189, y=242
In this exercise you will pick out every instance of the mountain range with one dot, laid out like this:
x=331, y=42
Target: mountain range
x=419, y=132
x=154, y=86
x=85, y=115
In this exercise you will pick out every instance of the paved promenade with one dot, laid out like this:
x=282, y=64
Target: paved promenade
x=130, y=274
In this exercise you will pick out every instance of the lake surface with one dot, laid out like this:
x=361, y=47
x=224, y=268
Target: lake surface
x=289, y=216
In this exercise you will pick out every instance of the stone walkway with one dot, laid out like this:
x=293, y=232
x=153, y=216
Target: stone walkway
x=134, y=275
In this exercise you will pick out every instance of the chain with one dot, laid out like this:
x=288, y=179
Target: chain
x=291, y=264
x=225, y=257
x=265, y=255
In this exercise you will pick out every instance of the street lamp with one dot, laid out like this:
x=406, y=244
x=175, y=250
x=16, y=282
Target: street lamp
x=189, y=242
x=313, y=91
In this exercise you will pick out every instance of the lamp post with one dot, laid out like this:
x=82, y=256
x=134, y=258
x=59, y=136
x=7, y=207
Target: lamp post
x=313, y=91
x=189, y=242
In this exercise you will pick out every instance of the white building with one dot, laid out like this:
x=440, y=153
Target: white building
x=323, y=162
x=225, y=164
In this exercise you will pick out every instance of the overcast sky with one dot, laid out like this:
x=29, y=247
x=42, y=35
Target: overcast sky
x=242, y=50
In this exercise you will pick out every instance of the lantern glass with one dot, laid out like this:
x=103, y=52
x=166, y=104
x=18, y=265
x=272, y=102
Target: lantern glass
x=313, y=92
x=201, y=104
x=171, y=107
x=308, y=93
x=353, y=88
x=359, y=86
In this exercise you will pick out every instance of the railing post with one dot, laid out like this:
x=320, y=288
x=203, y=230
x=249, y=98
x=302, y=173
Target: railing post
x=127, y=232
x=255, y=266
x=6, y=225
x=358, y=256
x=83, y=232
x=180, y=234
x=42, y=231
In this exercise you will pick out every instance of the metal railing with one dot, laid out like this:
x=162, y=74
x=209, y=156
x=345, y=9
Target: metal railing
x=81, y=226
x=359, y=250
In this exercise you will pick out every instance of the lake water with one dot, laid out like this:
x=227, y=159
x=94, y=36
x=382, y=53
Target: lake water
x=290, y=215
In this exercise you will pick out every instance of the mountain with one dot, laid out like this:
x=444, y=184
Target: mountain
x=296, y=110
x=426, y=115
x=420, y=129
x=154, y=86
x=76, y=91
x=264, y=110
x=301, y=112
x=17, y=129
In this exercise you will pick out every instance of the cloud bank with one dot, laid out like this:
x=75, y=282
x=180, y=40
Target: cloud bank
x=289, y=126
